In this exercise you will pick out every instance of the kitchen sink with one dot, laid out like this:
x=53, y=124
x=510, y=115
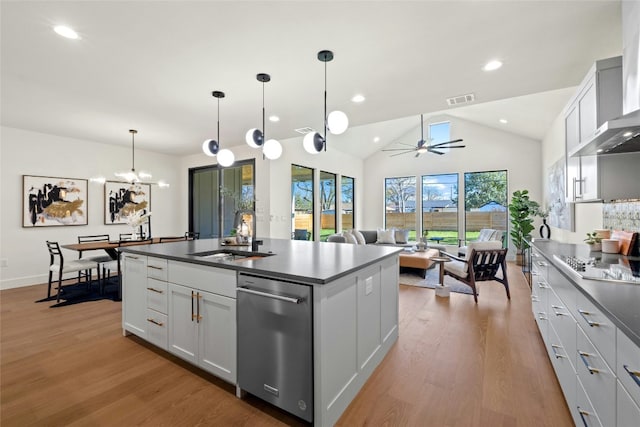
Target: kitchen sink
x=229, y=255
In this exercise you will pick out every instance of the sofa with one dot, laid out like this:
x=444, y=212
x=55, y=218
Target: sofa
x=370, y=237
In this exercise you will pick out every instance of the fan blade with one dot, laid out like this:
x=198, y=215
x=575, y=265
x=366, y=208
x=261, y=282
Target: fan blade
x=408, y=145
x=435, y=151
x=417, y=154
x=455, y=146
x=398, y=149
x=440, y=144
x=399, y=154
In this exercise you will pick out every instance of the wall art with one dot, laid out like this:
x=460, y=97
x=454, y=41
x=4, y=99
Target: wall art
x=51, y=201
x=123, y=199
x=561, y=212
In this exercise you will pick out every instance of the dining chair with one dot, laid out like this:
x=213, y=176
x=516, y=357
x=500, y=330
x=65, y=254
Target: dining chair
x=192, y=235
x=100, y=259
x=58, y=265
x=172, y=239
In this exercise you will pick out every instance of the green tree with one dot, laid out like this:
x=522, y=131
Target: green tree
x=398, y=191
x=484, y=187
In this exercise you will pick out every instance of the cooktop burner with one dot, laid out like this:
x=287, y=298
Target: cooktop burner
x=623, y=270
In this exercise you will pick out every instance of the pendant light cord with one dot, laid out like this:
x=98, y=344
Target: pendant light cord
x=133, y=151
x=218, y=122
x=325, y=106
x=264, y=131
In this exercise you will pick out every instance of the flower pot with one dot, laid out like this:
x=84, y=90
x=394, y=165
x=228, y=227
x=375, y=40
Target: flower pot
x=519, y=259
x=595, y=247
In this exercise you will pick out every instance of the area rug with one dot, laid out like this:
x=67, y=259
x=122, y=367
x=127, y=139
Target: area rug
x=415, y=279
x=78, y=293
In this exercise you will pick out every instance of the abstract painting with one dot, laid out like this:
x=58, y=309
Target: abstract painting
x=50, y=201
x=123, y=199
x=561, y=212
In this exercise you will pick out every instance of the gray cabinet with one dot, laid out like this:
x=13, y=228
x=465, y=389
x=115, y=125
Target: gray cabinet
x=598, y=99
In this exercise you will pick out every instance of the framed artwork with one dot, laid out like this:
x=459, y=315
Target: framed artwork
x=123, y=199
x=50, y=201
x=561, y=212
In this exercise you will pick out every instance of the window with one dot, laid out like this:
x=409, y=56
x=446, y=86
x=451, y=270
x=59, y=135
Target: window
x=347, y=192
x=327, y=205
x=440, y=132
x=485, y=200
x=215, y=194
x=400, y=204
x=440, y=207
x=301, y=202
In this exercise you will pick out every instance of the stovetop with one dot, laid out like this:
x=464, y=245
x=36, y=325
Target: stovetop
x=622, y=270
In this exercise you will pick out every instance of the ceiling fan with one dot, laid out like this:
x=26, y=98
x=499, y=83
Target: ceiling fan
x=423, y=146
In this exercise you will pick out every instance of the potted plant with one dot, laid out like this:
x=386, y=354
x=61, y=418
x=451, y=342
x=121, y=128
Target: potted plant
x=521, y=210
x=594, y=241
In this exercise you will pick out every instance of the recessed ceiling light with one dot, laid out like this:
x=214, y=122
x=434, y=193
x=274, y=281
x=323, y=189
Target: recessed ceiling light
x=358, y=98
x=492, y=65
x=599, y=150
x=376, y=139
x=274, y=118
x=627, y=134
x=65, y=31
x=504, y=121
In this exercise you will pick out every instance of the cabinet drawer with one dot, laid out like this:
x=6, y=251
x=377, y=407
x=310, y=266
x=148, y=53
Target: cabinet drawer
x=157, y=328
x=628, y=365
x=565, y=371
x=157, y=295
x=598, y=328
x=583, y=413
x=564, y=324
x=598, y=380
x=628, y=413
x=157, y=268
x=210, y=279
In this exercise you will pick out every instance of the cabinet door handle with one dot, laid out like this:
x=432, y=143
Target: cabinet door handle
x=198, y=317
x=583, y=414
x=154, y=267
x=555, y=353
x=155, y=322
x=577, y=195
x=583, y=356
x=584, y=315
x=193, y=315
x=634, y=374
x=158, y=291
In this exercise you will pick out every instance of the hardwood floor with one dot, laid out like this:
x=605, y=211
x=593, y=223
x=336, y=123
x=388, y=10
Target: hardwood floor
x=455, y=364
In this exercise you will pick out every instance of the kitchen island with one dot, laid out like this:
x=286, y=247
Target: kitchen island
x=182, y=297
x=591, y=330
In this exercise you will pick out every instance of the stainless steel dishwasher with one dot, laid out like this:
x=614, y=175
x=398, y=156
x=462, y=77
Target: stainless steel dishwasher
x=275, y=343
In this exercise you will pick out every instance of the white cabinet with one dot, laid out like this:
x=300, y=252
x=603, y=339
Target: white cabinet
x=598, y=99
x=627, y=412
x=187, y=309
x=202, y=327
x=134, y=294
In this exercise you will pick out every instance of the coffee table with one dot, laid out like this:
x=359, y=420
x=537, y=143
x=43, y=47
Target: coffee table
x=421, y=260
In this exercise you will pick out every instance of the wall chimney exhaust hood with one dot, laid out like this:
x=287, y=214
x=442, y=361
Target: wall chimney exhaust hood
x=620, y=135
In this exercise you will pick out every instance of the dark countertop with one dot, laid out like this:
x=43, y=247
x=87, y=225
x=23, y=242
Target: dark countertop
x=619, y=301
x=296, y=260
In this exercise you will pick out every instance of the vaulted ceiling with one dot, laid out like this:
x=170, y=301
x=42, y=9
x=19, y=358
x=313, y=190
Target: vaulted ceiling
x=152, y=66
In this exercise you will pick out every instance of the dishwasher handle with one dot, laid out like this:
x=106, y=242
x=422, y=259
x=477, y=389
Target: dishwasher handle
x=272, y=296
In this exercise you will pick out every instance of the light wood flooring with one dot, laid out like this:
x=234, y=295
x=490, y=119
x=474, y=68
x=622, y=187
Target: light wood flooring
x=455, y=364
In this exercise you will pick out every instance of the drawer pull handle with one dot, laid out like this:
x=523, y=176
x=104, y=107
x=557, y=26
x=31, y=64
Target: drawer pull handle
x=583, y=414
x=155, y=290
x=591, y=369
x=543, y=264
x=634, y=374
x=155, y=322
x=193, y=313
x=535, y=298
x=555, y=353
x=584, y=315
x=543, y=285
x=558, y=307
x=542, y=315
x=154, y=267
x=132, y=257
x=535, y=273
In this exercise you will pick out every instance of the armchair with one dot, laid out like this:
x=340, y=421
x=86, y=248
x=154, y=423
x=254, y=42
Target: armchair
x=481, y=264
x=486, y=235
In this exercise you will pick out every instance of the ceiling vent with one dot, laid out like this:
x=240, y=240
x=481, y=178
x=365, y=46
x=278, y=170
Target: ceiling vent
x=305, y=130
x=461, y=99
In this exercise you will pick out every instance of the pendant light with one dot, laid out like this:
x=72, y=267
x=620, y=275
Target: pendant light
x=271, y=149
x=132, y=175
x=211, y=147
x=336, y=122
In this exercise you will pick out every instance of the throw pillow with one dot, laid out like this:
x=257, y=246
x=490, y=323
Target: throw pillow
x=386, y=236
x=402, y=236
x=359, y=237
x=350, y=238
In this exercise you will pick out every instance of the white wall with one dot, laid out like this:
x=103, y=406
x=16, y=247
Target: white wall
x=588, y=216
x=486, y=149
x=29, y=153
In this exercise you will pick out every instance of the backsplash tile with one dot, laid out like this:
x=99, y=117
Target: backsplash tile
x=623, y=215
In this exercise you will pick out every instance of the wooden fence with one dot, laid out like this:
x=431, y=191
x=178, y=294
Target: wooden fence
x=305, y=221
